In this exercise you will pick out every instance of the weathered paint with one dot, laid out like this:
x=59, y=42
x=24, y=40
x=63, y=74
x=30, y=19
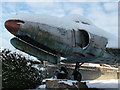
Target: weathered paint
x=46, y=38
x=76, y=46
x=34, y=51
x=13, y=26
x=98, y=42
x=78, y=53
x=90, y=54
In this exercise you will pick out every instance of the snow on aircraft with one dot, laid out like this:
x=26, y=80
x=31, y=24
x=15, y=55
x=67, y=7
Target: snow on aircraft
x=73, y=37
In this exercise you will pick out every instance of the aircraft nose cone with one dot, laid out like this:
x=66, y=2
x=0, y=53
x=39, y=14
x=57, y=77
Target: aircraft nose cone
x=13, y=25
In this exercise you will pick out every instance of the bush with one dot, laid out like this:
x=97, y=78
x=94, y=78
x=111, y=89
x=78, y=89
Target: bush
x=18, y=72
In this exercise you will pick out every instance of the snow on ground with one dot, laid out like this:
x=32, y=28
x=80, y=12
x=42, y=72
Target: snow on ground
x=42, y=86
x=112, y=83
x=52, y=78
x=69, y=82
x=105, y=66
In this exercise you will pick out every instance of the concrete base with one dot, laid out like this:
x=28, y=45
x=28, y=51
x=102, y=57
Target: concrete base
x=66, y=84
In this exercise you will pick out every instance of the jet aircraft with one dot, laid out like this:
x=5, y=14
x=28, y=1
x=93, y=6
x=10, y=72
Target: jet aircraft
x=72, y=37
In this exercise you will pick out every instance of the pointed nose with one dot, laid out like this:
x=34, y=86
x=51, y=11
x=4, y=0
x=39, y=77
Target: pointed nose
x=13, y=25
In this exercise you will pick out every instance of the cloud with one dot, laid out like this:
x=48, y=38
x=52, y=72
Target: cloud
x=111, y=6
x=106, y=20
x=60, y=0
x=46, y=8
x=77, y=11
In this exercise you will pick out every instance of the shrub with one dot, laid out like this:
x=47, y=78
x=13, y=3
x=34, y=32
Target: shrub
x=17, y=71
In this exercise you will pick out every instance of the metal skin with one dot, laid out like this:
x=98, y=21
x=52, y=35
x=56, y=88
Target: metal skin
x=34, y=51
x=49, y=43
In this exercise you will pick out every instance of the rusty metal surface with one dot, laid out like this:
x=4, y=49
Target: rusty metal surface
x=74, y=45
x=40, y=54
x=41, y=33
x=98, y=41
x=13, y=25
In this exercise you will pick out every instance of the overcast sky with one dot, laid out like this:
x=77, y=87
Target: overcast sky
x=103, y=14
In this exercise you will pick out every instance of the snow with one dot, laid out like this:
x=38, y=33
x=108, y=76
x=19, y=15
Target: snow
x=41, y=86
x=28, y=63
x=52, y=78
x=112, y=83
x=38, y=67
x=87, y=69
x=79, y=18
x=50, y=65
x=1, y=48
x=106, y=66
x=35, y=59
x=42, y=69
x=69, y=22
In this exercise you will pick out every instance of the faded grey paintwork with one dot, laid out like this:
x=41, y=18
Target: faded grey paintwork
x=98, y=41
x=43, y=34
x=65, y=42
x=32, y=50
x=56, y=38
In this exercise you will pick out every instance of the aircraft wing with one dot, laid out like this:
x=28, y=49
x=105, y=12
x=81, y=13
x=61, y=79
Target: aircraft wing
x=112, y=60
x=113, y=52
x=109, y=56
